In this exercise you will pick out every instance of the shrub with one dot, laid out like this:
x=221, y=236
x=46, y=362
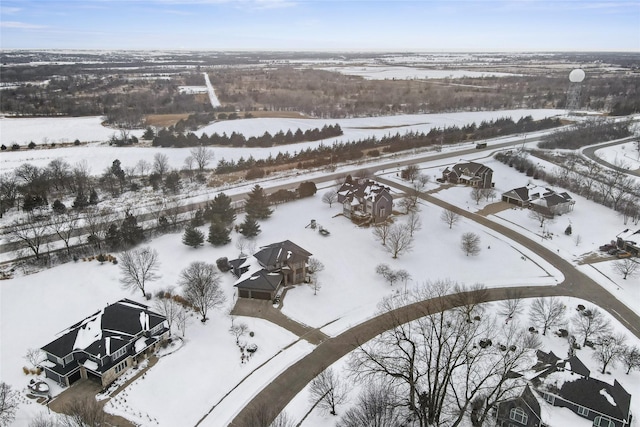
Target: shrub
x=25, y=370
x=251, y=334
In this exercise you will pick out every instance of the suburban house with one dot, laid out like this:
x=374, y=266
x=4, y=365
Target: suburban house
x=540, y=199
x=105, y=344
x=521, y=410
x=569, y=385
x=270, y=269
x=469, y=173
x=365, y=199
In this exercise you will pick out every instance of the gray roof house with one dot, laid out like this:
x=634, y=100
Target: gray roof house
x=570, y=386
x=541, y=199
x=522, y=410
x=270, y=269
x=365, y=199
x=469, y=173
x=105, y=344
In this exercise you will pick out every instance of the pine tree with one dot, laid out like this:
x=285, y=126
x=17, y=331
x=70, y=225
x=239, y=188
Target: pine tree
x=93, y=197
x=220, y=210
x=192, y=237
x=250, y=227
x=130, y=230
x=218, y=234
x=113, y=237
x=58, y=207
x=81, y=200
x=257, y=204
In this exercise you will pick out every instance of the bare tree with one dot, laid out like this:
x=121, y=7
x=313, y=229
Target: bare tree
x=8, y=404
x=82, y=412
x=626, y=267
x=410, y=173
x=468, y=300
x=381, y=231
x=590, y=323
x=315, y=285
x=169, y=308
x=160, y=164
x=547, y=313
x=540, y=217
x=238, y=331
x=314, y=265
x=410, y=201
x=183, y=318
x=143, y=167
x=414, y=223
x=404, y=276
x=188, y=165
x=64, y=226
x=31, y=233
x=609, y=349
x=35, y=356
x=476, y=194
x=577, y=240
x=488, y=193
x=449, y=217
x=43, y=420
x=283, y=420
x=375, y=407
x=202, y=157
x=385, y=271
x=245, y=246
x=330, y=197
x=97, y=222
x=399, y=240
x=138, y=267
x=512, y=306
x=201, y=284
x=470, y=243
x=327, y=392
x=631, y=358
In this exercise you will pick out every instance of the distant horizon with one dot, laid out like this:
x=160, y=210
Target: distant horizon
x=425, y=26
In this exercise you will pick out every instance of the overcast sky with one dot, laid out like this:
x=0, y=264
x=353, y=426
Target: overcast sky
x=399, y=25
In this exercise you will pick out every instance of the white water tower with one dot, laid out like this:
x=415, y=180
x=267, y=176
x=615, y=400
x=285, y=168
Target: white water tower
x=576, y=77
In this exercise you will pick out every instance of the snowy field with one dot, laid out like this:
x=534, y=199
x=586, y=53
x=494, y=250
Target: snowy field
x=553, y=416
x=625, y=155
x=408, y=73
x=100, y=155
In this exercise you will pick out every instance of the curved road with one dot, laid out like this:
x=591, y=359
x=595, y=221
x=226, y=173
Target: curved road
x=590, y=152
x=287, y=385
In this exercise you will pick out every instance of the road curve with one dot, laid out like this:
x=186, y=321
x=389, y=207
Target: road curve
x=288, y=384
x=590, y=152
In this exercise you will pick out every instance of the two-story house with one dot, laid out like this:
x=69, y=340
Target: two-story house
x=469, y=173
x=364, y=199
x=105, y=344
x=270, y=269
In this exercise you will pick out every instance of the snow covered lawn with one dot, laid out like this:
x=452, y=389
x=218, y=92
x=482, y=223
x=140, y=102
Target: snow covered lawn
x=626, y=155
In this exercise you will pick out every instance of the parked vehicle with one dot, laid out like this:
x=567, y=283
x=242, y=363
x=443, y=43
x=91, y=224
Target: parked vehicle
x=607, y=247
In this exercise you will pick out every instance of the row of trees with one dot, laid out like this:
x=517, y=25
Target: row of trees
x=585, y=133
x=167, y=138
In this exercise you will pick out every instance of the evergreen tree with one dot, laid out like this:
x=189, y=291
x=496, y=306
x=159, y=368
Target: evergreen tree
x=113, y=237
x=218, y=234
x=257, y=204
x=220, y=210
x=93, y=197
x=198, y=219
x=58, y=207
x=192, y=237
x=81, y=201
x=249, y=227
x=130, y=230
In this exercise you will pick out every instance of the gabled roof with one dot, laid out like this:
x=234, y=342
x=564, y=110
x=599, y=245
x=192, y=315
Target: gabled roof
x=575, y=365
x=280, y=253
x=611, y=400
x=521, y=194
x=364, y=189
x=470, y=168
x=102, y=333
x=261, y=280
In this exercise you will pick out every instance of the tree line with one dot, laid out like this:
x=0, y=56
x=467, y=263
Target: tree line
x=168, y=138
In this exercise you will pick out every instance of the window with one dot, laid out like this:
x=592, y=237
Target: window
x=602, y=422
x=68, y=359
x=119, y=353
x=549, y=397
x=120, y=367
x=518, y=415
x=583, y=411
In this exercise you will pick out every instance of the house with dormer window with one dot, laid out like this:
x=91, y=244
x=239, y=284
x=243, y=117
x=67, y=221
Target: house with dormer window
x=105, y=344
x=364, y=199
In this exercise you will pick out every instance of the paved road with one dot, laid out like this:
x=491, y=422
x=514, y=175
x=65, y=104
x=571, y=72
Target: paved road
x=286, y=386
x=590, y=152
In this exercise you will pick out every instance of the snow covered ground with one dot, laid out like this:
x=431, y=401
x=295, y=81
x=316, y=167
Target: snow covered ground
x=557, y=417
x=625, y=155
x=100, y=155
x=408, y=73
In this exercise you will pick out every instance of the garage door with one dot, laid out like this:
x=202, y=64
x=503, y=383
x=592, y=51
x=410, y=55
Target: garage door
x=243, y=293
x=74, y=377
x=260, y=295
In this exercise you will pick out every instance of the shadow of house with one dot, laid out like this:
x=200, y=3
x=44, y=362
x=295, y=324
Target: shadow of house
x=469, y=173
x=365, y=199
x=270, y=269
x=105, y=344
